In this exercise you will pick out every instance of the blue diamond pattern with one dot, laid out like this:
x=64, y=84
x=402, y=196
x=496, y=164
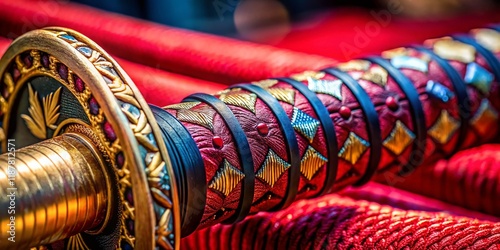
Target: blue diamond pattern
x=409, y=63
x=479, y=77
x=438, y=91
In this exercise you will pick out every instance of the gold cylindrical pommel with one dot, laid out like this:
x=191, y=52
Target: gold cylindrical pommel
x=50, y=191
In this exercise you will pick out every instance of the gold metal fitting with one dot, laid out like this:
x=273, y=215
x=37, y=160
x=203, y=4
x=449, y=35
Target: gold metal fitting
x=51, y=191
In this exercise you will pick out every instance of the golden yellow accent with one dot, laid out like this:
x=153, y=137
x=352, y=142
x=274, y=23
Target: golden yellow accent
x=51, y=108
x=399, y=138
x=35, y=122
x=311, y=162
x=40, y=118
x=108, y=85
x=488, y=38
x=454, y=50
x=306, y=75
x=444, y=127
x=76, y=242
x=46, y=177
x=2, y=135
x=388, y=54
x=284, y=95
x=354, y=65
x=272, y=168
x=268, y=83
x=190, y=116
x=246, y=101
x=182, y=105
x=226, y=178
x=377, y=75
x=353, y=148
x=485, y=118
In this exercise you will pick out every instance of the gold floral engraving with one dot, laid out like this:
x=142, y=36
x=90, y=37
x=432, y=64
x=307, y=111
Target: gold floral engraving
x=76, y=242
x=41, y=118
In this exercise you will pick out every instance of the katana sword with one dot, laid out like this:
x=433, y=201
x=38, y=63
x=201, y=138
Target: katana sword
x=88, y=164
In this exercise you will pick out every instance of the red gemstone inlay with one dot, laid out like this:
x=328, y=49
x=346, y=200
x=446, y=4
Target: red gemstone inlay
x=392, y=103
x=263, y=129
x=79, y=85
x=45, y=60
x=93, y=106
x=28, y=60
x=217, y=142
x=15, y=73
x=345, y=112
x=63, y=71
x=120, y=160
x=109, y=132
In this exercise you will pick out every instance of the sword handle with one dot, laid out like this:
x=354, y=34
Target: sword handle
x=259, y=146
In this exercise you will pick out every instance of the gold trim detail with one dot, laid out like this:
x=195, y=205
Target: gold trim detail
x=202, y=119
x=306, y=75
x=399, y=138
x=377, y=75
x=282, y=94
x=42, y=118
x=354, y=65
x=268, y=83
x=311, y=162
x=444, y=128
x=246, y=101
x=488, y=38
x=353, y=148
x=485, y=118
x=272, y=168
x=182, y=105
x=226, y=178
x=454, y=50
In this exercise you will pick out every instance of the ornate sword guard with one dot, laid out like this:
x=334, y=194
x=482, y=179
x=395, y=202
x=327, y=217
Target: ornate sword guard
x=59, y=82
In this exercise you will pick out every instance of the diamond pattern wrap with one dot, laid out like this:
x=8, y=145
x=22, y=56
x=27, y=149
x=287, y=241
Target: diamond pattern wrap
x=263, y=123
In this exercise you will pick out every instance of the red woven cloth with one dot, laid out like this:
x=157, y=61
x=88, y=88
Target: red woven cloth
x=335, y=222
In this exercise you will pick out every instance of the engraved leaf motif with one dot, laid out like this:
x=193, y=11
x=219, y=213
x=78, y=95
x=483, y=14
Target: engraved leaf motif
x=51, y=108
x=35, y=122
